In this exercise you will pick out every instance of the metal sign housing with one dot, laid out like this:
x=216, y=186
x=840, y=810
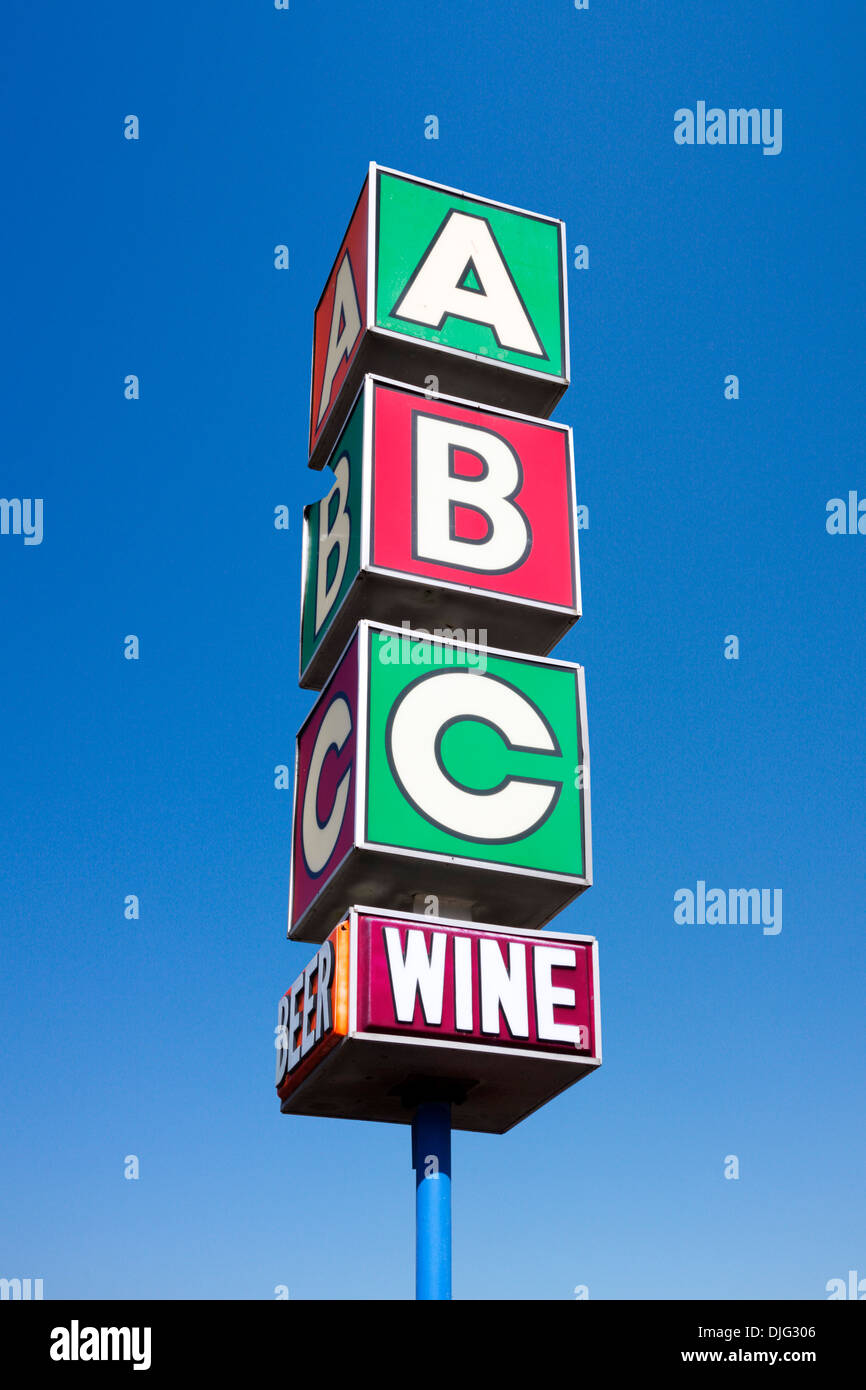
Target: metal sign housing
x=441, y=509
x=433, y=281
x=498, y=1020
x=431, y=766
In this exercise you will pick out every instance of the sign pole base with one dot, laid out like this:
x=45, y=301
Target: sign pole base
x=431, y=1159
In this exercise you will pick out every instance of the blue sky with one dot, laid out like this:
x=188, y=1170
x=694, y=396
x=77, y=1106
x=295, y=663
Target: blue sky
x=707, y=518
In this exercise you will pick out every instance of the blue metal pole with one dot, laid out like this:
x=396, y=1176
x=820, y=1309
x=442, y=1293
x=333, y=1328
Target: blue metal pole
x=431, y=1159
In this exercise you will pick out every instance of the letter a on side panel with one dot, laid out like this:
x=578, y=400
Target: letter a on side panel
x=345, y=327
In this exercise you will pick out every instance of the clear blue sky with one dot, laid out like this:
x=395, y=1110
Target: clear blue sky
x=707, y=518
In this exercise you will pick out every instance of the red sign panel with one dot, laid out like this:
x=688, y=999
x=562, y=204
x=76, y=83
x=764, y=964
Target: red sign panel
x=339, y=322
x=325, y=785
x=475, y=985
x=474, y=497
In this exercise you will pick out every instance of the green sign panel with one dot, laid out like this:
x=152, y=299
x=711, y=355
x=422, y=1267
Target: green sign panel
x=475, y=754
x=469, y=274
x=332, y=539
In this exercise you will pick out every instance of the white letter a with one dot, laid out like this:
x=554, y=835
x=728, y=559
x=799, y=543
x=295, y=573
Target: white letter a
x=463, y=274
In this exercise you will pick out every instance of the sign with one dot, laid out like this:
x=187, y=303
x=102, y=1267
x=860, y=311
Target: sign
x=446, y=770
x=436, y=767
x=431, y=281
x=313, y=1013
x=498, y=1020
x=441, y=505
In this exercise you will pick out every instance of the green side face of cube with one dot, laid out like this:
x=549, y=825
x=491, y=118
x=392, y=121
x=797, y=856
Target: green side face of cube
x=410, y=215
x=314, y=620
x=477, y=758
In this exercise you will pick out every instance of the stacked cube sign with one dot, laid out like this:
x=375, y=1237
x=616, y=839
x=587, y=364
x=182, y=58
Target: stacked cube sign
x=445, y=759
x=429, y=280
x=509, y=1018
x=430, y=767
x=440, y=505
